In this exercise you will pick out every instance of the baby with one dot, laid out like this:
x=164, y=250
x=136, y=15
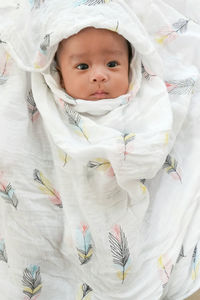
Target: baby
x=94, y=64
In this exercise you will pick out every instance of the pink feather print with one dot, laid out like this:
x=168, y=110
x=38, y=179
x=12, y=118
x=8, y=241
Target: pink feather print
x=180, y=87
x=171, y=167
x=84, y=244
x=7, y=192
x=32, y=108
x=165, y=268
x=169, y=33
x=101, y=165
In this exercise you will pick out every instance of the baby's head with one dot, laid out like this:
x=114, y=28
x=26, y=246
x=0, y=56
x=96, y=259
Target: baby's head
x=94, y=64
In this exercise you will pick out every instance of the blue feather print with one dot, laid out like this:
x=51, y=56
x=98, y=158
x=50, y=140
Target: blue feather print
x=84, y=244
x=36, y=3
x=7, y=193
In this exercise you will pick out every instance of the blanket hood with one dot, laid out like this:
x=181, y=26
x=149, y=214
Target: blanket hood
x=32, y=33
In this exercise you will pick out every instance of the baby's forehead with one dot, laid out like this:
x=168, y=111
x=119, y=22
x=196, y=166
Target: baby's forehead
x=91, y=34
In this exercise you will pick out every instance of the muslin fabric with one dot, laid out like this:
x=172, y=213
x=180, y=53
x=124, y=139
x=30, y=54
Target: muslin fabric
x=99, y=199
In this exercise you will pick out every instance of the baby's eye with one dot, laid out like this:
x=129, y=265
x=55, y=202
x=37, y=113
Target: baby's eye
x=82, y=67
x=112, y=64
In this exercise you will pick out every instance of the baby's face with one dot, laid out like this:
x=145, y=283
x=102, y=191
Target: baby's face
x=94, y=64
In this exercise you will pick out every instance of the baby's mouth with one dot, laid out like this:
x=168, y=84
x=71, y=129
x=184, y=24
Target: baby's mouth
x=99, y=94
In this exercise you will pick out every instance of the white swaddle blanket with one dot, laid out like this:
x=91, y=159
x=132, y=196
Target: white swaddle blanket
x=99, y=199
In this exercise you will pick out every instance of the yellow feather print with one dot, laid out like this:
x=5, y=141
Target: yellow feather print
x=46, y=187
x=85, y=256
x=64, y=157
x=129, y=137
x=143, y=188
x=161, y=39
x=84, y=292
x=33, y=291
x=122, y=275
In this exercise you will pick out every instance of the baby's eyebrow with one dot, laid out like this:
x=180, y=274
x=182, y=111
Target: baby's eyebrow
x=81, y=55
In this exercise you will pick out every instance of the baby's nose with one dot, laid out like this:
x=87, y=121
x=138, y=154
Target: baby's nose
x=99, y=75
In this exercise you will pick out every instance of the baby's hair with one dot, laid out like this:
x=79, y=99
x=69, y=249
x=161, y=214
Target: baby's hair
x=130, y=52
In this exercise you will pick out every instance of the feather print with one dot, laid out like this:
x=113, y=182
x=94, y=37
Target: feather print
x=32, y=282
x=146, y=74
x=170, y=33
x=84, y=292
x=165, y=269
x=120, y=252
x=32, y=108
x=2, y=42
x=90, y=2
x=46, y=43
x=181, y=254
x=36, y=3
x=170, y=166
x=101, y=164
x=75, y=120
x=195, y=262
x=64, y=157
x=47, y=188
x=181, y=25
x=182, y=87
x=7, y=193
x=128, y=137
x=3, y=254
x=54, y=68
x=4, y=73
x=84, y=244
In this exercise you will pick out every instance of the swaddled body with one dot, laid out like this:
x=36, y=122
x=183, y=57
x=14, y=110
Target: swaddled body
x=77, y=220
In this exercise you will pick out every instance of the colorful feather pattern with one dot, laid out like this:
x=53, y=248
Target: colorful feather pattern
x=3, y=254
x=102, y=165
x=32, y=108
x=84, y=244
x=46, y=187
x=165, y=269
x=7, y=192
x=128, y=138
x=170, y=166
x=170, y=33
x=195, y=262
x=32, y=282
x=180, y=87
x=76, y=120
x=120, y=252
